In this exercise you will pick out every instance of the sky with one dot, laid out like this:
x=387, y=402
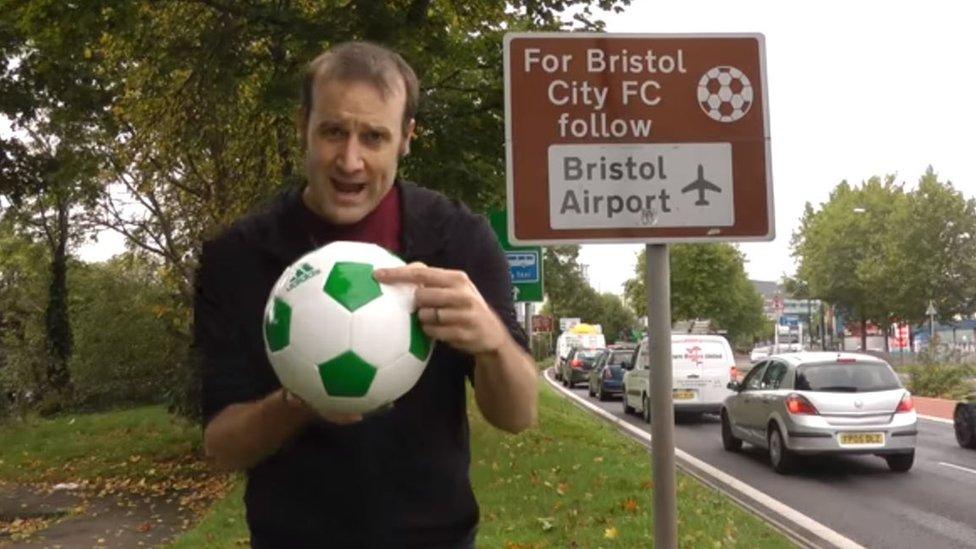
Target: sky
x=856, y=89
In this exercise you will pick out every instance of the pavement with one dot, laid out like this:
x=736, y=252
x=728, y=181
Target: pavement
x=938, y=408
x=71, y=517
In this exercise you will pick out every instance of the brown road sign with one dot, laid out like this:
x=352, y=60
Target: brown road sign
x=637, y=138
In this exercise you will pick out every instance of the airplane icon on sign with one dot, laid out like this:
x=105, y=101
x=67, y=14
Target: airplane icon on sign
x=701, y=185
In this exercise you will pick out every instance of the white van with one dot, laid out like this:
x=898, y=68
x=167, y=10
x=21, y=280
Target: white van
x=567, y=341
x=702, y=366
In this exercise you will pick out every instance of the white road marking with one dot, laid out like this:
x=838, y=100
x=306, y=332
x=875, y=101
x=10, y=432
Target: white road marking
x=960, y=467
x=933, y=418
x=831, y=536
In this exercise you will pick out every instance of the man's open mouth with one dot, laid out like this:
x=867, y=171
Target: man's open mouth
x=347, y=188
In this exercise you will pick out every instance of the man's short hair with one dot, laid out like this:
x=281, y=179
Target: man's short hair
x=362, y=62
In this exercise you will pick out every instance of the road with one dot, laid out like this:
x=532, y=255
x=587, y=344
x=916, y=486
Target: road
x=932, y=506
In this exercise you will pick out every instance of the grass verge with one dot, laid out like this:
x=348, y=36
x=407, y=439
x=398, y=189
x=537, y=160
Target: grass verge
x=79, y=447
x=577, y=482
x=573, y=482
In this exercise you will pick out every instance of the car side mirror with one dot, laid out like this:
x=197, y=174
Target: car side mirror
x=734, y=386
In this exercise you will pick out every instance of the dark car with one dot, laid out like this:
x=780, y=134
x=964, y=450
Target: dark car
x=578, y=364
x=607, y=376
x=964, y=421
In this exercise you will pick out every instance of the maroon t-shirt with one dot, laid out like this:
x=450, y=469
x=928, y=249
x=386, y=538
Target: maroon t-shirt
x=380, y=226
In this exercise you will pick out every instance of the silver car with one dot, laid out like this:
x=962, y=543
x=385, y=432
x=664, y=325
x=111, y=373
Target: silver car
x=822, y=403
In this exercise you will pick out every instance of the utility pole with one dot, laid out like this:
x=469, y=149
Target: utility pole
x=931, y=312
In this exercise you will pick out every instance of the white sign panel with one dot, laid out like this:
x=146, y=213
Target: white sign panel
x=640, y=186
x=568, y=323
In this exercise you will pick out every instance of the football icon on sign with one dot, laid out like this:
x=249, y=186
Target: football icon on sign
x=725, y=93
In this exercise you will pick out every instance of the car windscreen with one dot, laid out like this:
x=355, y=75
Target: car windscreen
x=845, y=377
x=619, y=356
x=588, y=356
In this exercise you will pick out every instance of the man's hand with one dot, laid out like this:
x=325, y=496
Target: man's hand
x=300, y=407
x=450, y=308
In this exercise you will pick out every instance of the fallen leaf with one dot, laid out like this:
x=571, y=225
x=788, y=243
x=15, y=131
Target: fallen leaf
x=546, y=523
x=144, y=527
x=629, y=505
x=610, y=533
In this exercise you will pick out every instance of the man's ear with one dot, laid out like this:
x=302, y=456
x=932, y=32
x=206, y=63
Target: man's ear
x=301, y=126
x=407, y=136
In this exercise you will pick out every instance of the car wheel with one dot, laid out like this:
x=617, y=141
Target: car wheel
x=964, y=421
x=647, y=410
x=729, y=440
x=780, y=457
x=901, y=463
x=628, y=409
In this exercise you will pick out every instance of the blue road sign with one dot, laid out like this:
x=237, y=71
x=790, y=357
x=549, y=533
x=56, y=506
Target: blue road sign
x=789, y=320
x=523, y=266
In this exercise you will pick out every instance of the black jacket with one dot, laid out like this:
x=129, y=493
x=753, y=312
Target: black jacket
x=397, y=479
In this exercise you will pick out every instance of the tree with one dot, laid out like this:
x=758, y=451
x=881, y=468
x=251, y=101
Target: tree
x=23, y=279
x=46, y=177
x=844, y=250
x=126, y=350
x=617, y=320
x=931, y=252
x=190, y=103
x=707, y=281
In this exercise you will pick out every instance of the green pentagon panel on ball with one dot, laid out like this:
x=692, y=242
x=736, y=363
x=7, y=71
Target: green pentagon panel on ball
x=347, y=375
x=277, y=325
x=352, y=285
x=419, y=342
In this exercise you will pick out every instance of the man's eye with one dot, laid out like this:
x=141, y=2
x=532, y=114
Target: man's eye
x=372, y=137
x=332, y=132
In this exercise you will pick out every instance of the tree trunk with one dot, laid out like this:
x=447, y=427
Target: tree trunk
x=887, y=334
x=864, y=334
x=58, y=327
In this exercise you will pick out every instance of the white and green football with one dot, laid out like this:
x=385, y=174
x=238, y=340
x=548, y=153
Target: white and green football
x=339, y=339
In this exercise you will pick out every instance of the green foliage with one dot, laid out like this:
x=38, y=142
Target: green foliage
x=186, y=108
x=880, y=254
x=940, y=380
x=127, y=348
x=617, y=320
x=569, y=295
x=23, y=297
x=707, y=281
x=567, y=292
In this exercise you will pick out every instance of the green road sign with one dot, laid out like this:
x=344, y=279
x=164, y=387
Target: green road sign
x=524, y=262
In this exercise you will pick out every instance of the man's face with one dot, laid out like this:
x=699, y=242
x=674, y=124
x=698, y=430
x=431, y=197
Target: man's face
x=354, y=138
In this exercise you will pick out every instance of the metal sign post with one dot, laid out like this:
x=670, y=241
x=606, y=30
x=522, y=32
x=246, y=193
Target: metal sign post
x=658, y=284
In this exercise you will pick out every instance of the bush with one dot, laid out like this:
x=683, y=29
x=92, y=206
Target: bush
x=940, y=380
x=127, y=350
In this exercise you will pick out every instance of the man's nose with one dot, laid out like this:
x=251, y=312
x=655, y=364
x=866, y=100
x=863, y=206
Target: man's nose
x=351, y=158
